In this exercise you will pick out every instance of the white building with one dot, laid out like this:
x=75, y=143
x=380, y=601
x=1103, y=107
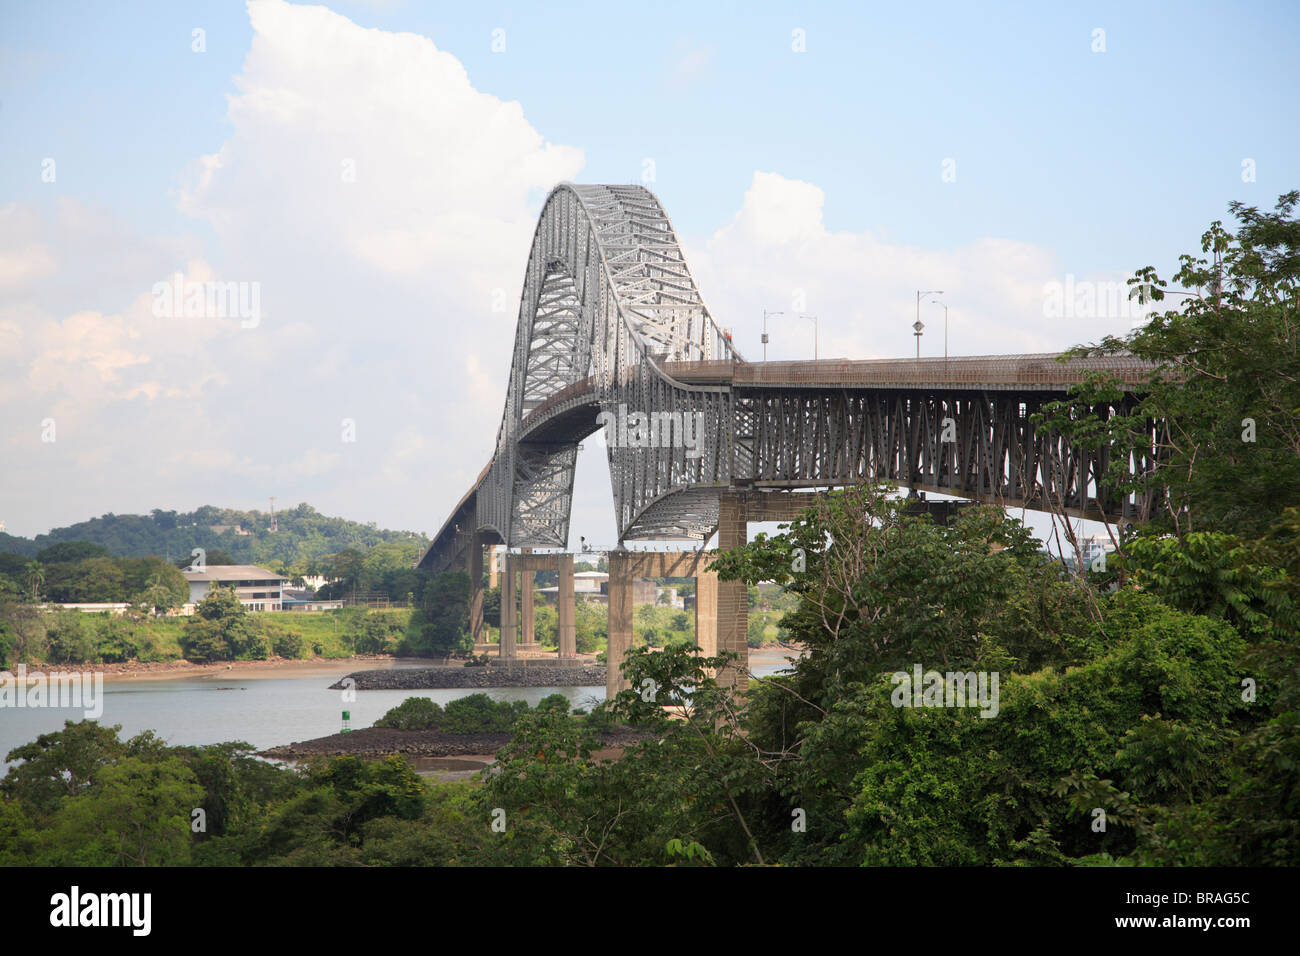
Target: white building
x=258, y=588
x=1094, y=547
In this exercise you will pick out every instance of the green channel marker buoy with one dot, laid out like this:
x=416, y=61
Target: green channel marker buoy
x=347, y=719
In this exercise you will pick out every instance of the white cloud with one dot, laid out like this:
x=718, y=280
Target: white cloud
x=777, y=254
x=377, y=199
x=376, y=296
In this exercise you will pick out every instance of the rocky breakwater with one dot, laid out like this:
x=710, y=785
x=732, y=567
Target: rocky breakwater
x=383, y=742
x=372, y=742
x=493, y=675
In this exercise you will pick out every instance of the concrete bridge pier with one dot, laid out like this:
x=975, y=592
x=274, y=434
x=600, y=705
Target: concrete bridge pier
x=732, y=596
x=509, y=620
x=620, y=621
x=721, y=607
x=476, y=589
x=527, y=637
x=568, y=636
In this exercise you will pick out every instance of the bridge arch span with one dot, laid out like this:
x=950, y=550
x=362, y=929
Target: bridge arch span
x=608, y=298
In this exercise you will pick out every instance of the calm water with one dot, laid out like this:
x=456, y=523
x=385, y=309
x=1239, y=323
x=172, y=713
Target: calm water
x=263, y=711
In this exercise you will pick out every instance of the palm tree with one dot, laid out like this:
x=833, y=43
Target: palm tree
x=35, y=578
x=158, y=595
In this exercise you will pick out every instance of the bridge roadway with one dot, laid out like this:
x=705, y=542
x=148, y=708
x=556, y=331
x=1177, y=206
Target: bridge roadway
x=611, y=321
x=1005, y=388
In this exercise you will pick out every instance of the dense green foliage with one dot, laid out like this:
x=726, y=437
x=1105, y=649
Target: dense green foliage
x=115, y=557
x=473, y=714
x=221, y=630
x=302, y=535
x=97, y=578
x=82, y=797
x=1227, y=384
x=71, y=637
x=440, y=626
x=1145, y=715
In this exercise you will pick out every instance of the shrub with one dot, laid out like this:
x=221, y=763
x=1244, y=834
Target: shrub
x=286, y=643
x=71, y=641
x=480, y=714
x=117, y=641
x=556, y=702
x=414, y=713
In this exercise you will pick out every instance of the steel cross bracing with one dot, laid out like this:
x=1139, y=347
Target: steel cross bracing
x=972, y=444
x=610, y=318
x=607, y=298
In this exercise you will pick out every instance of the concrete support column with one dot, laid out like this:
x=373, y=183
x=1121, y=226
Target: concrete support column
x=706, y=612
x=476, y=589
x=567, y=613
x=733, y=601
x=526, y=636
x=492, y=565
x=620, y=622
x=508, y=611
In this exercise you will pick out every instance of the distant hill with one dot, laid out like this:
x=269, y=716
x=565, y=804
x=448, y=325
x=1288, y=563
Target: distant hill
x=303, y=535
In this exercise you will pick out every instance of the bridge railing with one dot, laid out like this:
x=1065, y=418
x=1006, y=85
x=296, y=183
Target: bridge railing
x=980, y=370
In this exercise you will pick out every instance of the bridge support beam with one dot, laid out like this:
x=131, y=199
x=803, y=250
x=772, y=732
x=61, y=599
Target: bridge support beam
x=508, y=610
x=568, y=636
x=732, y=596
x=476, y=589
x=620, y=621
x=706, y=612
x=492, y=566
x=526, y=635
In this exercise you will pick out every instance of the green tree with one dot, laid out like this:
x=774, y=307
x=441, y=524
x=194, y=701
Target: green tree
x=35, y=576
x=1227, y=386
x=60, y=764
x=441, y=626
x=221, y=629
x=71, y=639
x=138, y=814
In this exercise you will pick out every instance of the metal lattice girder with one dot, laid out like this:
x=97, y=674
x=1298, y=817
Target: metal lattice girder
x=607, y=298
x=977, y=445
x=610, y=320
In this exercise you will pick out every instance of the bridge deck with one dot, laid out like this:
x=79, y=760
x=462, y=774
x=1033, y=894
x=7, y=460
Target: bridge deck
x=975, y=371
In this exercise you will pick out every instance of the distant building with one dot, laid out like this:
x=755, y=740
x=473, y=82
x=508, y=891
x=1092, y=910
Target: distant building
x=1092, y=547
x=115, y=608
x=590, y=582
x=293, y=599
x=593, y=587
x=258, y=588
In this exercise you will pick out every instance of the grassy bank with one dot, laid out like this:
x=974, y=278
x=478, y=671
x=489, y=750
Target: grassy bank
x=72, y=637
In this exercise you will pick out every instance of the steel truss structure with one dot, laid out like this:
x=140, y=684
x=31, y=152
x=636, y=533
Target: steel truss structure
x=608, y=298
x=610, y=320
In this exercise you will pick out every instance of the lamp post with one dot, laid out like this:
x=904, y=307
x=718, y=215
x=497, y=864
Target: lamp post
x=945, y=338
x=765, y=315
x=918, y=326
x=815, y=333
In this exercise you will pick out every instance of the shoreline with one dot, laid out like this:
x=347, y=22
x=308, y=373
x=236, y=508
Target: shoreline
x=274, y=667
x=379, y=742
x=257, y=669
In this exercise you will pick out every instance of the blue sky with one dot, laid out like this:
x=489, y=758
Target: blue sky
x=1067, y=161
x=1053, y=142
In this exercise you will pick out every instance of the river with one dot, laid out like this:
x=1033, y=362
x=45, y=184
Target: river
x=264, y=711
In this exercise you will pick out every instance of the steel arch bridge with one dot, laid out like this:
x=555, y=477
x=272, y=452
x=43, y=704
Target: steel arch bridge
x=610, y=320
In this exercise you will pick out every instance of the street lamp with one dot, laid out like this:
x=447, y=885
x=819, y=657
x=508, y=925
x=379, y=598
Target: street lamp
x=765, y=315
x=945, y=335
x=815, y=332
x=918, y=326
